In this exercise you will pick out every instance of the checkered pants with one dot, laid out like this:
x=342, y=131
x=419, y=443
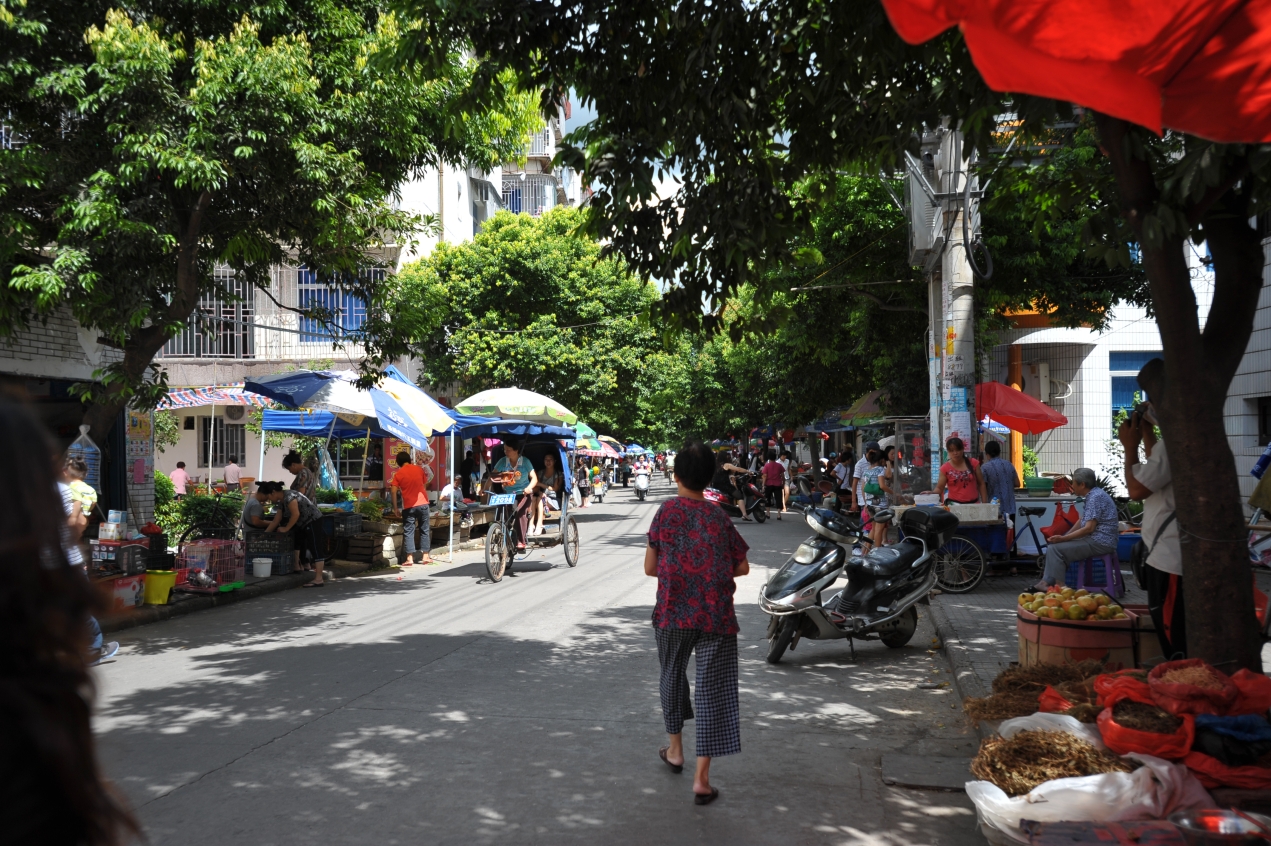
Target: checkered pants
x=718, y=732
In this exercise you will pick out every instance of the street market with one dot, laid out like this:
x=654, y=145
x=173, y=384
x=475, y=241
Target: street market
x=515, y=422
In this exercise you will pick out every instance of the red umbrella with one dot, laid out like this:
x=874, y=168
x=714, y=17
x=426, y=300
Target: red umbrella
x=1015, y=410
x=1199, y=66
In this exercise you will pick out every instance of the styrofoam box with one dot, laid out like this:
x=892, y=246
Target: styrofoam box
x=979, y=512
x=926, y=499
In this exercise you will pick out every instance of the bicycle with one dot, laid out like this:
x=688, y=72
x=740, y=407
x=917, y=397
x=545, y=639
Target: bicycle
x=221, y=526
x=500, y=540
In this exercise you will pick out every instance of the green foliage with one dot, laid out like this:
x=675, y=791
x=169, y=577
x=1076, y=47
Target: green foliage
x=195, y=510
x=162, y=139
x=165, y=492
x=1030, y=461
x=167, y=429
x=330, y=496
x=371, y=509
x=530, y=303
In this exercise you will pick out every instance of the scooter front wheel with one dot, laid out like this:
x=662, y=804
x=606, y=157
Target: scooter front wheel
x=780, y=640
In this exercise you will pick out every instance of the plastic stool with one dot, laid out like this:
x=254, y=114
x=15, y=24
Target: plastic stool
x=1113, y=584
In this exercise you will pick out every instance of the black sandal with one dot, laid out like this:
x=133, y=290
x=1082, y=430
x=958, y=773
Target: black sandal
x=314, y=584
x=675, y=768
x=706, y=799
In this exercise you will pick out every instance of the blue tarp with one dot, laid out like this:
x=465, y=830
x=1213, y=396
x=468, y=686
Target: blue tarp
x=314, y=424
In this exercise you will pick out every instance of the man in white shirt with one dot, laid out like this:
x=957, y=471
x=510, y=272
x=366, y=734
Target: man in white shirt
x=233, y=473
x=1152, y=483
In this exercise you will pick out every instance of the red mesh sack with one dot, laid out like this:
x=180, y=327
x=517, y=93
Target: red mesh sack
x=1181, y=699
x=1111, y=688
x=1122, y=740
x=1214, y=773
x=1254, y=695
x=1052, y=701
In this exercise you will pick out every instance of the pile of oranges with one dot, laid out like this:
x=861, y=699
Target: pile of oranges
x=1068, y=604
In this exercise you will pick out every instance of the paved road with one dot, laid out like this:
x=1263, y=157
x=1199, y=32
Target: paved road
x=443, y=709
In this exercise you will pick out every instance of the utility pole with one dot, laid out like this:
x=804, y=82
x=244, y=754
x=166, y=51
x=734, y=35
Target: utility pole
x=943, y=217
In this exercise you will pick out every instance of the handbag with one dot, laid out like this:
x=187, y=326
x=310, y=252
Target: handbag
x=872, y=488
x=1140, y=552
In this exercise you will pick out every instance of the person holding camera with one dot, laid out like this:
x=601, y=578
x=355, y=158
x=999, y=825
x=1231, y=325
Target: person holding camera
x=1152, y=483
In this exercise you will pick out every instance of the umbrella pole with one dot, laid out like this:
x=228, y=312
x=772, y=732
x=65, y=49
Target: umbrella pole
x=450, y=464
x=366, y=453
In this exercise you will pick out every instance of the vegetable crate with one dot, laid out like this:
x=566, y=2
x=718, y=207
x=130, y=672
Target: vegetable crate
x=269, y=543
x=346, y=525
x=280, y=563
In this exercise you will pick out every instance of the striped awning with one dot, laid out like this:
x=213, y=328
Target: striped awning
x=211, y=395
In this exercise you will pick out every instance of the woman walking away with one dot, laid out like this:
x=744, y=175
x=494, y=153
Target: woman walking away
x=961, y=476
x=774, y=482
x=696, y=554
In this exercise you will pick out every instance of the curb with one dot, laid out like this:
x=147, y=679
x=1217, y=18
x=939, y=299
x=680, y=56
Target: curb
x=158, y=613
x=966, y=683
x=146, y=614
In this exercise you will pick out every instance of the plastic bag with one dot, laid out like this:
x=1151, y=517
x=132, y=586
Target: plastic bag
x=1052, y=722
x=1214, y=773
x=1152, y=792
x=1113, y=687
x=1062, y=522
x=1123, y=740
x=1052, y=701
x=1254, y=695
x=1181, y=699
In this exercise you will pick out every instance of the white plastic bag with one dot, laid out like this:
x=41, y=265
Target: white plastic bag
x=1152, y=792
x=1042, y=721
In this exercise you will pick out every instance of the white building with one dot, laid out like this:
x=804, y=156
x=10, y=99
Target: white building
x=254, y=336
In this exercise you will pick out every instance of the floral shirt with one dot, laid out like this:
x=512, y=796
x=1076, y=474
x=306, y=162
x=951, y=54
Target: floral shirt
x=698, y=548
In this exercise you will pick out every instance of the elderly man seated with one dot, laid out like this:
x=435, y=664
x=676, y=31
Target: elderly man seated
x=1095, y=535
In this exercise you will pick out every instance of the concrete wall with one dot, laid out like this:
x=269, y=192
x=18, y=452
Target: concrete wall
x=1252, y=380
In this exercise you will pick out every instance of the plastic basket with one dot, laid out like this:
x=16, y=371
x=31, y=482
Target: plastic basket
x=347, y=525
x=268, y=543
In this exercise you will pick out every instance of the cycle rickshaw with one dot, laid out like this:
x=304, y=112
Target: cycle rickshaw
x=559, y=527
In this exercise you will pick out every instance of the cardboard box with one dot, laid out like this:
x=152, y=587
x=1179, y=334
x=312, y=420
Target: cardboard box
x=1045, y=641
x=125, y=591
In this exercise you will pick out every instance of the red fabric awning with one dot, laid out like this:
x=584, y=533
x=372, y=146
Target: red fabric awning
x=1199, y=66
x=1015, y=410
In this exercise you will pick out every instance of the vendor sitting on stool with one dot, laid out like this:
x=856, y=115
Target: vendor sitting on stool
x=1095, y=535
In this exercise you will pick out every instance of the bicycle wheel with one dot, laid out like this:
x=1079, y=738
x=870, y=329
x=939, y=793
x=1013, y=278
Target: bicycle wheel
x=571, y=542
x=206, y=531
x=960, y=566
x=496, y=552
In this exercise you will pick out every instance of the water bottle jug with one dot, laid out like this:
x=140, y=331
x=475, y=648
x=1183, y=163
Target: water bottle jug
x=1264, y=461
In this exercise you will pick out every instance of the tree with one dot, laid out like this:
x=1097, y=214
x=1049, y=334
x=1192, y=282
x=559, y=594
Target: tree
x=529, y=303
x=159, y=140
x=744, y=101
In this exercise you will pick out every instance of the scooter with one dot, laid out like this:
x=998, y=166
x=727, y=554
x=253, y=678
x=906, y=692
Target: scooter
x=883, y=586
x=642, y=483
x=756, y=505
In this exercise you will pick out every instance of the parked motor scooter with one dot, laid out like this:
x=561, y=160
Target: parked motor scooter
x=883, y=586
x=756, y=505
x=642, y=483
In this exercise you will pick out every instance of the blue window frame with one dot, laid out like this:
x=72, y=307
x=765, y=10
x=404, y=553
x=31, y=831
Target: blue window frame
x=1124, y=390
x=1130, y=362
x=345, y=310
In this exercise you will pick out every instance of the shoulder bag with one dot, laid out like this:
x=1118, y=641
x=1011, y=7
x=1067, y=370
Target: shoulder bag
x=1138, y=556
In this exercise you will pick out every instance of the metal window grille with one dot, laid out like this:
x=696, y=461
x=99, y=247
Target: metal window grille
x=231, y=439
x=343, y=312
x=221, y=327
x=348, y=462
x=534, y=194
x=541, y=143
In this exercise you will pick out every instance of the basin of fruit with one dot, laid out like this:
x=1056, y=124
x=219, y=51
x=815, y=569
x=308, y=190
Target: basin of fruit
x=1072, y=605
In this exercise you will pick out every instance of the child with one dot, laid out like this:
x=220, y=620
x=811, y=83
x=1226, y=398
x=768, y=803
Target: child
x=81, y=491
x=696, y=554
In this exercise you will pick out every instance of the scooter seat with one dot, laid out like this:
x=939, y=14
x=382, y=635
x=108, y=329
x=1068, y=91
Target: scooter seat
x=891, y=561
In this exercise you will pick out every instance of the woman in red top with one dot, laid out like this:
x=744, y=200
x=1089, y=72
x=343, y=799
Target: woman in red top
x=696, y=553
x=961, y=476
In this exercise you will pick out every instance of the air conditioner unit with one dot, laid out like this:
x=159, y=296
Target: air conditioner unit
x=234, y=412
x=1036, y=377
x=926, y=222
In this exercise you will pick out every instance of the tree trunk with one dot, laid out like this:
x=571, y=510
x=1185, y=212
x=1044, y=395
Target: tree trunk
x=1199, y=366
x=143, y=344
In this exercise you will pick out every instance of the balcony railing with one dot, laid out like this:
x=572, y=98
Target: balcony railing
x=542, y=145
x=533, y=194
x=239, y=322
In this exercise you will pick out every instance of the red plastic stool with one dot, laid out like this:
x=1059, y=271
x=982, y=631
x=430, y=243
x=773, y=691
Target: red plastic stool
x=1113, y=583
